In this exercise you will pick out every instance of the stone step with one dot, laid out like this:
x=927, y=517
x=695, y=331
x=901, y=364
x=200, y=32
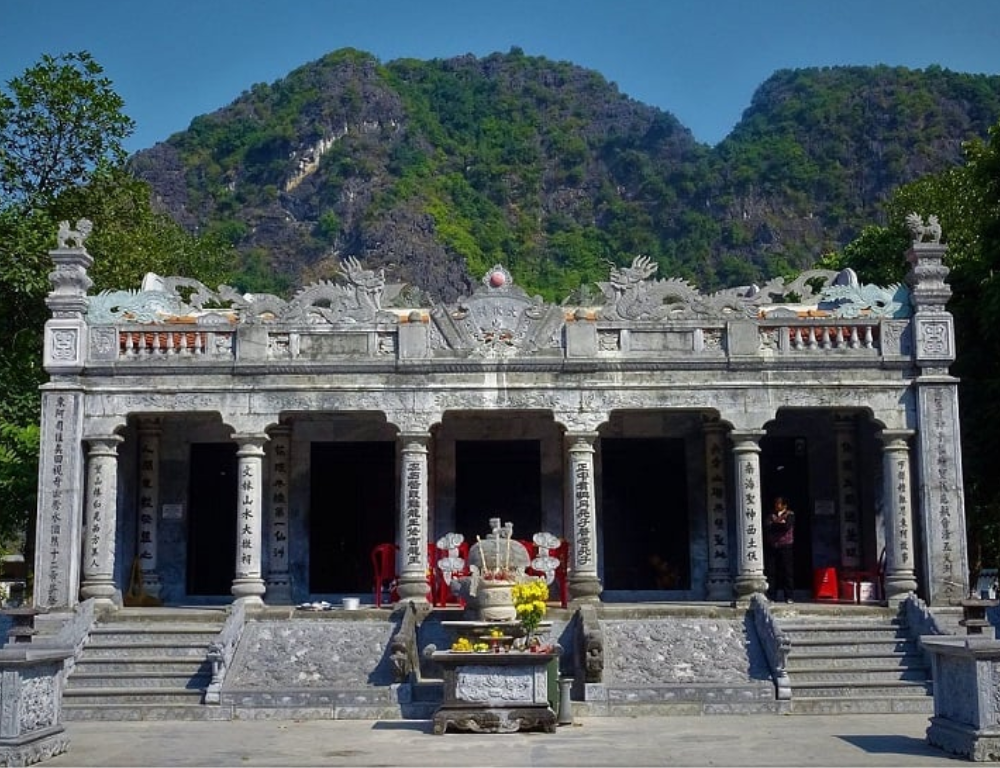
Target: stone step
x=137, y=635
x=811, y=623
x=116, y=713
x=672, y=708
x=861, y=689
x=130, y=651
x=834, y=633
x=848, y=647
x=694, y=692
x=842, y=676
x=321, y=712
x=147, y=615
x=311, y=698
x=124, y=681
x=867, y=705
x=821, y=661
x=140, y=666
x=146, y=696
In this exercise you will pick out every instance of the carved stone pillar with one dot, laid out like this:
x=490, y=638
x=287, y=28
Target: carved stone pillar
x=149, y=504
x=750, y=576
x=938, y=455
x=938, y=460
x=900, y=577
x=101, y=521
x=584, y=584
x=413, y=518
x=720, y=573
x=279, y=583
x=248, y=585
x=61, y=494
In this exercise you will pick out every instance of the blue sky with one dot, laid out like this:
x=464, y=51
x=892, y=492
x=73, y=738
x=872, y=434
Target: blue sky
x=172, y=60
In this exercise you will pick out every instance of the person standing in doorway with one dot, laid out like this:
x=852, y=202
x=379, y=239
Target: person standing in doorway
x=780, y=525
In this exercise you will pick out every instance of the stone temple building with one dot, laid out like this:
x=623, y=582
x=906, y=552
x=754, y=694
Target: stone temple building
x=226, y=447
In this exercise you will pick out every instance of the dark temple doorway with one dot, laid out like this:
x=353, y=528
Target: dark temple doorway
x=353, y=508
x=498, y=478
x=644, y=514
x=785, y=472
x=212, y=502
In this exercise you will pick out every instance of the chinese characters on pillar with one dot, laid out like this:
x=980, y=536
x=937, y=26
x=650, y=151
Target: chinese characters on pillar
x=96, y=525
x=902, y=489
x=415, y=550
x=716, y=482
x=279, y=504
x=943, y=473
x=582, y=502
x=750, y=484
x=248, y=516
x=850, y=556
x=56, y=478
x=149, y=481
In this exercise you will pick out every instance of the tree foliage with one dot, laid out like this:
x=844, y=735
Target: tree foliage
x=61, y=158
x=59, y=122
x=966, y=199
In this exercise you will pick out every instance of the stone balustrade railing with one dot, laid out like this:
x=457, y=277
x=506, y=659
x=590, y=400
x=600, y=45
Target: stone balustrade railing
x=775, y=643
x=222, y=649
x=188, y=344
x=821, y=336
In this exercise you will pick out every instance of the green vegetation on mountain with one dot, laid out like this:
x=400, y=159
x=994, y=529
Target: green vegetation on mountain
x=437, y=169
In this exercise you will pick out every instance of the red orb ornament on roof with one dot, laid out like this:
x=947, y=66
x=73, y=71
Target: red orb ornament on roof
x=497, y=279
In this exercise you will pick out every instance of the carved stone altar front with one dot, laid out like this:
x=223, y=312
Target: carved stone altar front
x=495, y=692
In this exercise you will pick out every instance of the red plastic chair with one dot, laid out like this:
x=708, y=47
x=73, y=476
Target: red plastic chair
x=384, y=570
x=562, y=572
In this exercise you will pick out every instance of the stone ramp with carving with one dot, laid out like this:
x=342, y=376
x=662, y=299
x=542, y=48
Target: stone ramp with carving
x=322, y=666
x=681, y=665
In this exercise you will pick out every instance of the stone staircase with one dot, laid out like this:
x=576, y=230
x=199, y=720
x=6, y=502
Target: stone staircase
x=145, y=664
x=863, y=663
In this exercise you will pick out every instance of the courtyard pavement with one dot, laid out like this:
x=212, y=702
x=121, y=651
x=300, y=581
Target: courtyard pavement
x=716, y=740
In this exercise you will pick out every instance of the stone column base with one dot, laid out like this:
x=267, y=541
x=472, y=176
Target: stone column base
x=249, y=591
x=584, y=588
x=745, y=587
x=106, y=595
x=413, y=589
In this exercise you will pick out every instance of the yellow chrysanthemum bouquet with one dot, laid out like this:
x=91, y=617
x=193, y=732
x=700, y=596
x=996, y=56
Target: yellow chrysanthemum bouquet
x=530, y=603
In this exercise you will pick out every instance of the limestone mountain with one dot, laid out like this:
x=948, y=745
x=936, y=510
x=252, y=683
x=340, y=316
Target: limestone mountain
x=435, y=170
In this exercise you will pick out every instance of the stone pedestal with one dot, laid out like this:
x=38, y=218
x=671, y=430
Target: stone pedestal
x=495, y=692
x=31, y=728
x=974, y=614
x=966, y=717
